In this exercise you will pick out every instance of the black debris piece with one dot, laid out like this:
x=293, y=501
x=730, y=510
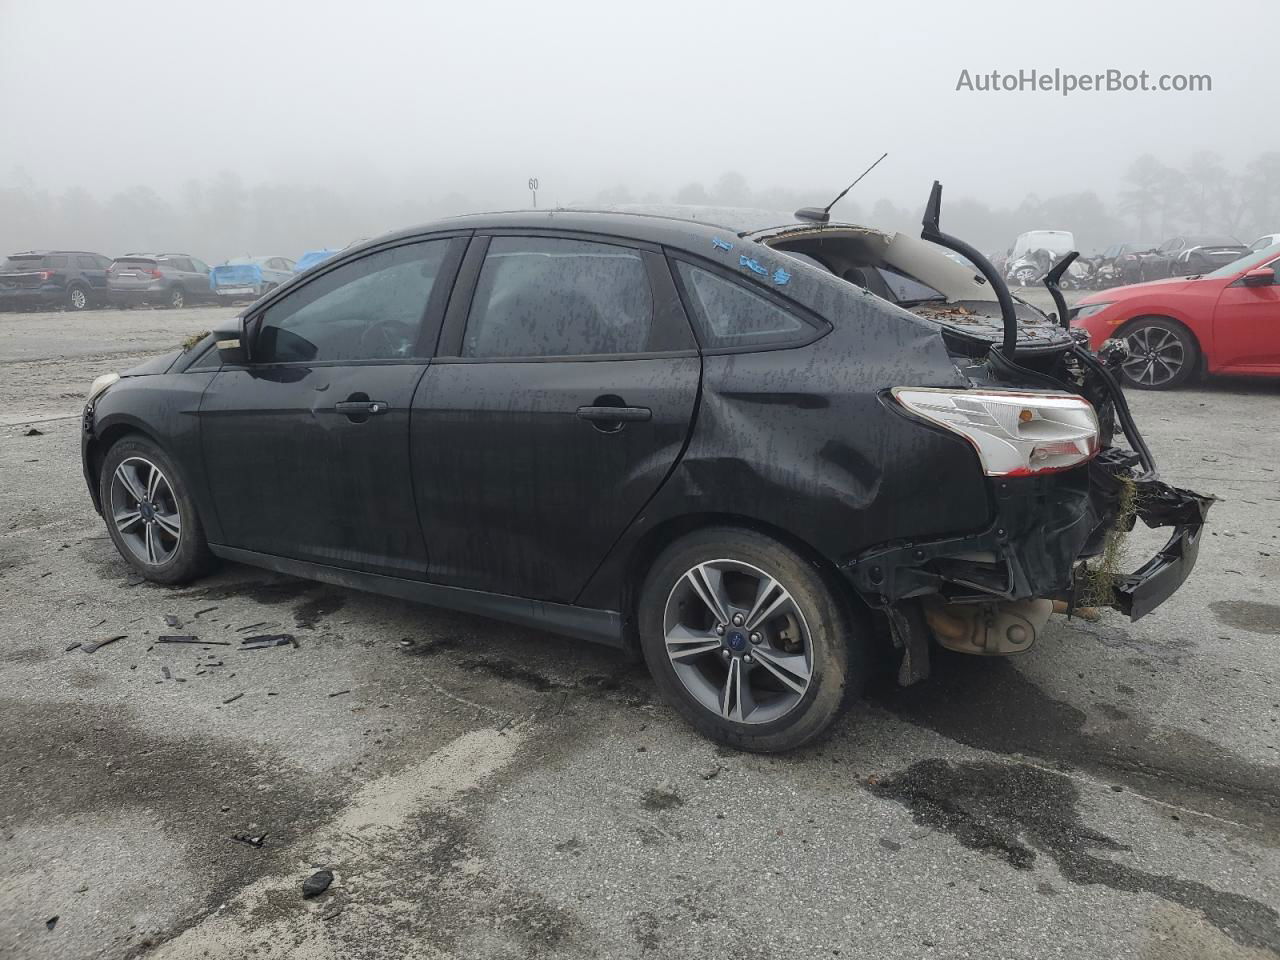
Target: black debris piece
x=73, y=646
x=250, y=841
x=254, y=626
x=331, y=912
x=232, y=699
x=339, y=693
x=33, y=432
x=90, y=647
x=196, y=615
x=51, y=922
x=164, y=672
x=192, y=639
x=172, y=621
x=316, y=884
x=264, y=640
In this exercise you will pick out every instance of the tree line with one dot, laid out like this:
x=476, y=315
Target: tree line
x=223, y=216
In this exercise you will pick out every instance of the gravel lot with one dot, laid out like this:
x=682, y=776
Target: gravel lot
x=480, y=790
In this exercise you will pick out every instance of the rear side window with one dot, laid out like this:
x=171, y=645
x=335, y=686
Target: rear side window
x=86, y=263
x=547, y=297
x=55, y=262
x=369, y=309
x=729, y=314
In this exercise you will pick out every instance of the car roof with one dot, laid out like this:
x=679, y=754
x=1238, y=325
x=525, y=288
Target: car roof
x=685, y=227
x=1216, y=239
x=45, y=253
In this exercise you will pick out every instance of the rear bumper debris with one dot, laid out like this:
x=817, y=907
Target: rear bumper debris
x=1037, y=546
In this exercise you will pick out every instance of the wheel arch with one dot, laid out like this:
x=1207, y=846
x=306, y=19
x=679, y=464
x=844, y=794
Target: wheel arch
x=1201, y=358
x=98, y=446
x=647, y=549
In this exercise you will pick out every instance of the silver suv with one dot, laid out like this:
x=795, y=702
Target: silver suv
x=165, y=279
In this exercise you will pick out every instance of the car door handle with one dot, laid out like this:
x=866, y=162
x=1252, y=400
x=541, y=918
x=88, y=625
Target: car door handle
x=361, y=408
x=615, y=414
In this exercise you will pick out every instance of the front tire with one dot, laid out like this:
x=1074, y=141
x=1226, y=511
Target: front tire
x=150, y=515
x=747, y=640
x=1163, y=354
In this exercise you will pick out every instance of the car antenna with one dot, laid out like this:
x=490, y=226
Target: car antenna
x=823, y=214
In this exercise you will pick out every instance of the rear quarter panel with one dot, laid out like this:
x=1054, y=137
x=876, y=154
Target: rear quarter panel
x=804, y=441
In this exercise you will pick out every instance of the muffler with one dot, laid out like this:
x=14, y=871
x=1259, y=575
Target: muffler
x=991, y=629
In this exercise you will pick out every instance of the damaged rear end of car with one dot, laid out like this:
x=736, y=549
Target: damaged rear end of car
x=1067, y=470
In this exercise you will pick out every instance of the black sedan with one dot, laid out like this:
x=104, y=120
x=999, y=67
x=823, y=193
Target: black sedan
x=1190, y=256
x=757, y=450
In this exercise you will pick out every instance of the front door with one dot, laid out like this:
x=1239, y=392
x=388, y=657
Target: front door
x=1246, y=327
x=307, y=446
x=567, y=400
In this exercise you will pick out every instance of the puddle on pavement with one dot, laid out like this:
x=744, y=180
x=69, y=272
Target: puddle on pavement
x=990, y=705
x=308, y=614
x=1248, y=615
x=1015, y=812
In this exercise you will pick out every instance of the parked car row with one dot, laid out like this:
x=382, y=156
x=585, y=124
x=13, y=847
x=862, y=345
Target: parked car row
x=80, y=279
x=1033, y=253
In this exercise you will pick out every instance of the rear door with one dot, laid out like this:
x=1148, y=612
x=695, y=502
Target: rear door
x=92, y=271
x=561, y=397
x=185, y=274
x=200, y=280
x=307, y=447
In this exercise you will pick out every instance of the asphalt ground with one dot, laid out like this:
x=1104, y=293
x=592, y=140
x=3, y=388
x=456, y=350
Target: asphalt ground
x=480, y=790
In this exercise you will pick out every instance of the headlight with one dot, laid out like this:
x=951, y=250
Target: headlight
x=1016, y=434
x=1083, y=313
x=101, y=384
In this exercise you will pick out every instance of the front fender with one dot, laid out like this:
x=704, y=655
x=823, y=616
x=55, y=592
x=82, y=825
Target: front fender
x=164, y=408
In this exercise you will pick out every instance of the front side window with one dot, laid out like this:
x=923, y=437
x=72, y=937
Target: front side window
x=731, y=315
x=369, y=309
x=548, y=297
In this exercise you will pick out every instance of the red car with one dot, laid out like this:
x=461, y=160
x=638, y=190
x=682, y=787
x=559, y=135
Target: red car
x=1227, y=321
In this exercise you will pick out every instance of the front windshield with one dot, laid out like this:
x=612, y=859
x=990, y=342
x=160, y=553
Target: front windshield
x=1247, y=262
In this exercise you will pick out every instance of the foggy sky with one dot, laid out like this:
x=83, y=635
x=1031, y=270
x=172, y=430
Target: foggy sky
x=476, y=96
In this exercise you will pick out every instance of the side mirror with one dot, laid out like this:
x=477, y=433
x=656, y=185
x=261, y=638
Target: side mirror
x=1259, y=277
x=232, y=344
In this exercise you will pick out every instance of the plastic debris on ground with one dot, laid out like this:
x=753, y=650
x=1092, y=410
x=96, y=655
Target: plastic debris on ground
x=90, y=647
x=316, y=884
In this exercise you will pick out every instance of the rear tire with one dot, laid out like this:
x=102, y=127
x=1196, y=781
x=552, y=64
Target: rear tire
x=176, y=299
x=77, y=297
x=765, y=686
x=1163, y=354
x=150, y=515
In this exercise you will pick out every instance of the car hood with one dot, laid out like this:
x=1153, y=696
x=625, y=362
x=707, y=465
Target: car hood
x=160, y=364
x=1167, y=285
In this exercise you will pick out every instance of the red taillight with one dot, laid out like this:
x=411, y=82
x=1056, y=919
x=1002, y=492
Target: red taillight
x=45, y=275
x=156, y=274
